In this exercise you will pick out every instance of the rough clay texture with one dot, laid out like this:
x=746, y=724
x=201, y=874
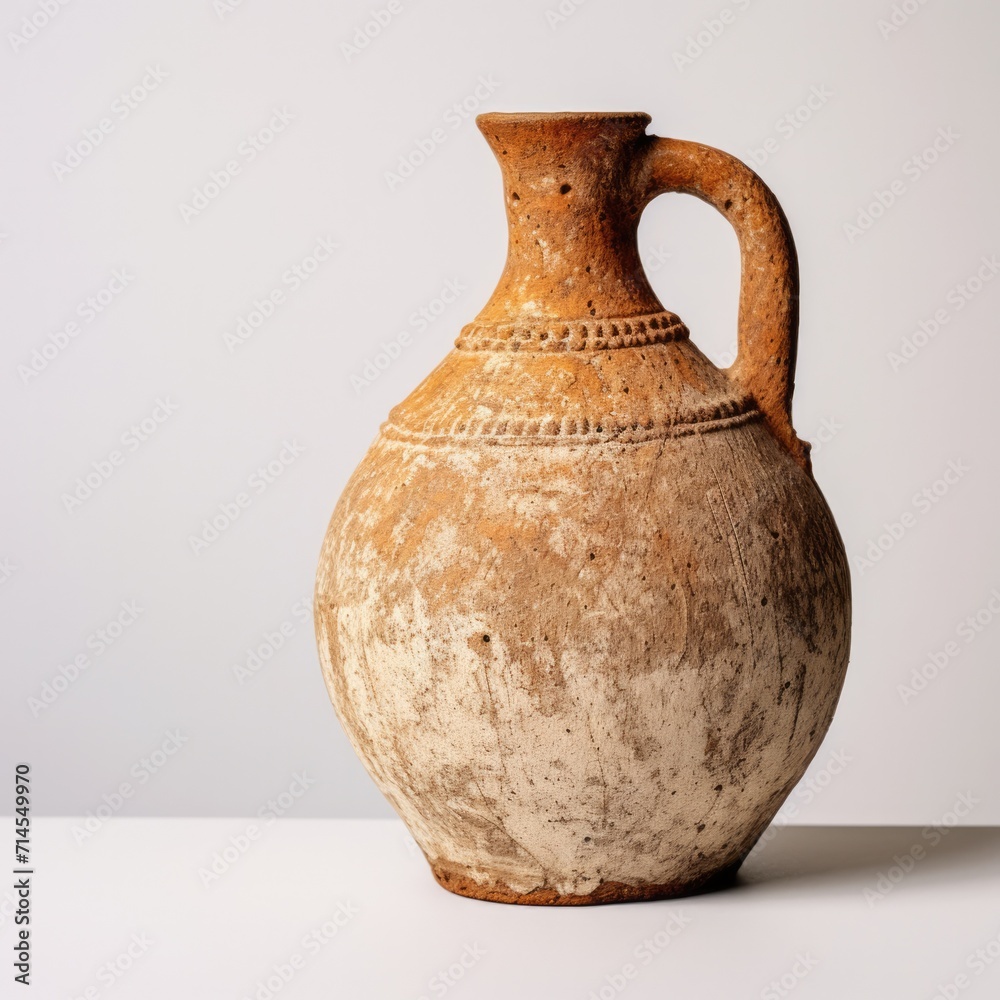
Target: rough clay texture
x=582, y=610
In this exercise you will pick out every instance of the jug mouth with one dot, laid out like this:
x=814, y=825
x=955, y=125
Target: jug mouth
x=492, y=118
x=559, y=133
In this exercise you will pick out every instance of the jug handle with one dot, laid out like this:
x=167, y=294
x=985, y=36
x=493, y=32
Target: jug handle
x=767, y=335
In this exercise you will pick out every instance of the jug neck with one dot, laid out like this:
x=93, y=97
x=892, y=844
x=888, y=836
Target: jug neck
x=573, y=192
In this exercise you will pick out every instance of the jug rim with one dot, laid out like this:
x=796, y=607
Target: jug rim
x=512, y=117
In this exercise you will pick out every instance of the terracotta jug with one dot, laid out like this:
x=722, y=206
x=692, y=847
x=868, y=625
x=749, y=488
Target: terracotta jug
x=582, y=609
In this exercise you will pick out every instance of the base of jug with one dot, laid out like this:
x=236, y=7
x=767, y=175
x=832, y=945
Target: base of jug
x=457, y=879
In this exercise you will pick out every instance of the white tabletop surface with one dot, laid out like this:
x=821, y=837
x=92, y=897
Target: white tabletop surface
x=348, y=909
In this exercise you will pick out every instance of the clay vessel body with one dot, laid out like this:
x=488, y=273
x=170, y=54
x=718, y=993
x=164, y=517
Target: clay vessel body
x=582, y=608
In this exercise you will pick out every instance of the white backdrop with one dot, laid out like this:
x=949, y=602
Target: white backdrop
x=210, y=228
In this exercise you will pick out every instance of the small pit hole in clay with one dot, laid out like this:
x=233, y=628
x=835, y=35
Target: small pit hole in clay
x=763, y=602
x=565, y=189
x=486, y=638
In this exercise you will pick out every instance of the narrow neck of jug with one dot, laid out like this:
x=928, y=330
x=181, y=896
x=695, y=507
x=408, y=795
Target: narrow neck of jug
x=572, y=192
